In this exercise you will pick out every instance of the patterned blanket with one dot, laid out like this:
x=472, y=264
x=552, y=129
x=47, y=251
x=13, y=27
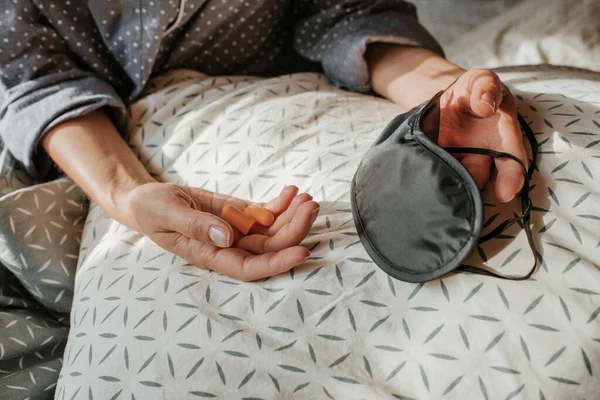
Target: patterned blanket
x=146, y=324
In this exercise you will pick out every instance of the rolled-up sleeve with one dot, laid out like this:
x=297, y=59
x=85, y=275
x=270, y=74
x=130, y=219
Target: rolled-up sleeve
x=41, y=85
x=336, y=33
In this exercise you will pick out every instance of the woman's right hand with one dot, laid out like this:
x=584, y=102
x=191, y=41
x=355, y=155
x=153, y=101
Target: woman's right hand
x=187, y=222
x=90, y=151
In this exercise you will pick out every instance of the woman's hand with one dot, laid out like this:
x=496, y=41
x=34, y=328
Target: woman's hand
x=183, y=220
x=476, y=111
x=187, y=222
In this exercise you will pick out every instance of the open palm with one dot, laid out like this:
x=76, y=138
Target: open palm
x=187, y=221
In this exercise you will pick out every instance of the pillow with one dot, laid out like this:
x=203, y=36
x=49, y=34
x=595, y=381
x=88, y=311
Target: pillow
x=146, y=324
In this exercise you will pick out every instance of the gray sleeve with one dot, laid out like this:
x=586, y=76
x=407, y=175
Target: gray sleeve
x=336, y=34
x=40, y=85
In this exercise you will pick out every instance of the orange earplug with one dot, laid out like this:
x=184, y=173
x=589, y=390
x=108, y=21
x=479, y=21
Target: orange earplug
x=238, y=219
x=263, y=217
x=244, y=221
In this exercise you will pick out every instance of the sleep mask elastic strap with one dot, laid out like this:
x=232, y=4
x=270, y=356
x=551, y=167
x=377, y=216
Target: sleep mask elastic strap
x=525, y=202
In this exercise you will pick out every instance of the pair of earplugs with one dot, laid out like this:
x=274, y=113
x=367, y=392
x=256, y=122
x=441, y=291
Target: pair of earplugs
x=244, y=221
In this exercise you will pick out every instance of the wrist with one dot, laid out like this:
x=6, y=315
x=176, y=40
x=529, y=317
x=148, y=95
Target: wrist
x=118, y=201
x=409, y=75
x=90, y=151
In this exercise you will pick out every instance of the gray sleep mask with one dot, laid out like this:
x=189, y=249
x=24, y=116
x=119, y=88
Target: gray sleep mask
x=417, y=210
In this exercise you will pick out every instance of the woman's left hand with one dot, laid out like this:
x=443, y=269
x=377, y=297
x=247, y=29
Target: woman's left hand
x=477, y=111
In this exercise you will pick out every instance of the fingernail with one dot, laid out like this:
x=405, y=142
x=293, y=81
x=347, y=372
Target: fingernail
x=314, y=214
x=489, y=100
x=219, y=236
x=515, y=183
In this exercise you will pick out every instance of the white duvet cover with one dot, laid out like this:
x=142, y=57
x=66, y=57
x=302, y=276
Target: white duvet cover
x=147, y=326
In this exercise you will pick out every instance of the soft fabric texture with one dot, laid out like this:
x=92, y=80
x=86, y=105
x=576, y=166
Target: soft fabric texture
x=32, y=343
x=40, y=228
x=560, y=32
x=449, y=20
x=148, y=325
x=62, y=59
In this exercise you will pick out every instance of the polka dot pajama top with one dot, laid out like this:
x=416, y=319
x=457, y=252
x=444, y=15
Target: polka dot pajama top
x=63, y=58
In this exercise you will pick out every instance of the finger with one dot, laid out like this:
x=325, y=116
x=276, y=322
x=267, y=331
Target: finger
x=238, y=263
x=280, y=204
x=269, y=264
x=198, y=225
x=276, y=206
x=511, y=176
x=480, y=92
x=288, y=215
x=214, y=202
x=289, y=235
x=479, y=167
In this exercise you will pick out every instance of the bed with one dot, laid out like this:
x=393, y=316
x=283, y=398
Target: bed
x=144, y=324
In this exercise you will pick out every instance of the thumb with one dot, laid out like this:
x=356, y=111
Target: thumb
x=199, y=225
x=480, y=92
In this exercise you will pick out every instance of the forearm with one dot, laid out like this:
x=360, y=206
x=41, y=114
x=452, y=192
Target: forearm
x=92, y=153
x=409, y=75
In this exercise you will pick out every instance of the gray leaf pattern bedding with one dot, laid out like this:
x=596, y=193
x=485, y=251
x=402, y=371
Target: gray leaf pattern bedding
x=40, y=229
x=145, y=324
